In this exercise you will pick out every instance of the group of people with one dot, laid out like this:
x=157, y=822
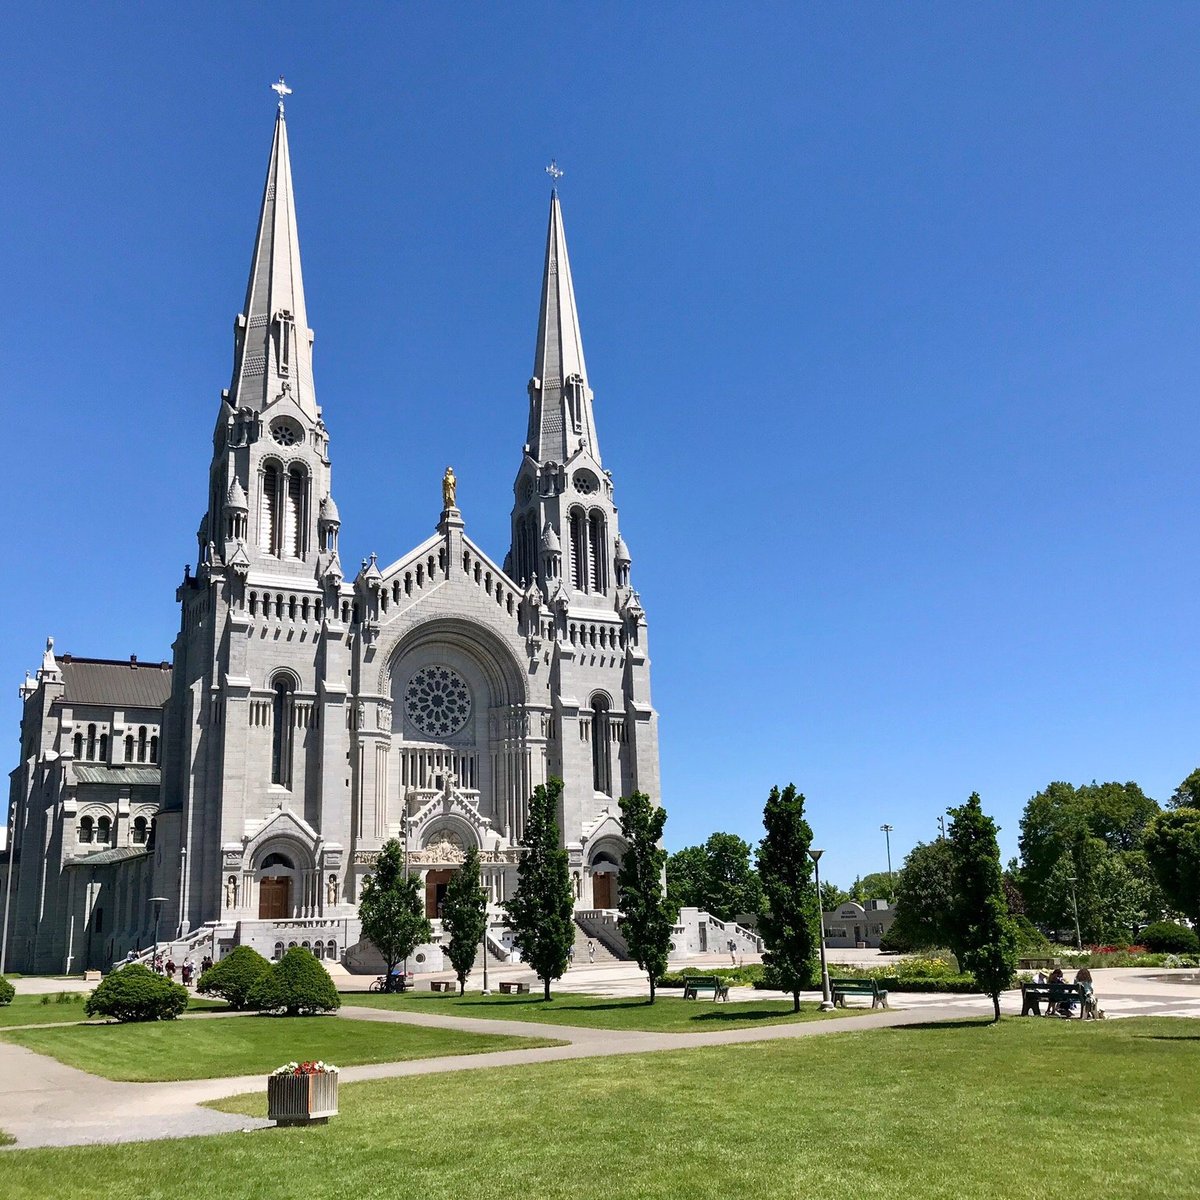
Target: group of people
x=189, y=973
x=1066, y=1006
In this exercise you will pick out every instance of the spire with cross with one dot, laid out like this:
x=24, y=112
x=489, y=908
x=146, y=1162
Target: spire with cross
x=281, y=89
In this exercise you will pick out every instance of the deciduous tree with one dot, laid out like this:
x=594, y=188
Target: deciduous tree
x=541, y=911
x=982, y=934
x=1173, y=851
x=789, y=920
x=646, y=914
x=924, y=890
x=391, y=910
x=464, y=917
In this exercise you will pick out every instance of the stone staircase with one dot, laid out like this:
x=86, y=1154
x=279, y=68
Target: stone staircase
x=602, y=954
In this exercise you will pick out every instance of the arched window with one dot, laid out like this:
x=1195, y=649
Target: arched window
x=104, y=747
x=601, y=772
x=296, y=518
x=142, y=744
x=141, y=830
x=91, y=743
x=579, y=568
x=331, y=950
x=103, y=831
x=281, y=733
x=154, y=748
x=598, y=551
x=87, y=829
x=129, y=747
x=268, y=511
x=319, y=949
x=278, y=950
x=79, y=745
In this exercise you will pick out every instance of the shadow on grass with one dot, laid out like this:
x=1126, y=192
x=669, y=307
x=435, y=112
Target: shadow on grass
x=957, y=1023
x=1167, y=1037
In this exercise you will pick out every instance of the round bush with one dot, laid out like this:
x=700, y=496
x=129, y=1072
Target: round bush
x=1165, y=937
x=298, y=984
x=7, y=991
x=235, y=977
x=135, y=993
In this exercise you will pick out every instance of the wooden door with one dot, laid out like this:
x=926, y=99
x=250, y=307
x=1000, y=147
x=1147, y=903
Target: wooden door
x=602, y=891
x=436, y=883
x=274, y=898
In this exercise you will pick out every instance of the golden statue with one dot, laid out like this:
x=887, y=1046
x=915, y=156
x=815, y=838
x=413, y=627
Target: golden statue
x=449, y=487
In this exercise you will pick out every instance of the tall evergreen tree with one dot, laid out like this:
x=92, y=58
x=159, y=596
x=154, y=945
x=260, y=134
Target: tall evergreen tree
x=646, y=914
x=540, y=912
x=790, y=919
x=391, y=910
x=982, y=934
x=464, y=917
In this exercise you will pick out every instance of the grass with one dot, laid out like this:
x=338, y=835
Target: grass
x=944, y=1112
x=167, y=1050
x=29, y=1009
x=668, y=1014
x=6, y=1139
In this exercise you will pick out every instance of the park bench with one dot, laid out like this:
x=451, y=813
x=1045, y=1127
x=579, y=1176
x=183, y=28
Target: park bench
x=442, y=985
x=842, y=988
x=512, y=986
x=705, y=983
x=1054, y=994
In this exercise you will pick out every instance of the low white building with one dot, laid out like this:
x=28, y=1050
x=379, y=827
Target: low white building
x=858, y=926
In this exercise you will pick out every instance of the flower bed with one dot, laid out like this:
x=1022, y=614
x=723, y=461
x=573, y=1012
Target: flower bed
x=302, y=1093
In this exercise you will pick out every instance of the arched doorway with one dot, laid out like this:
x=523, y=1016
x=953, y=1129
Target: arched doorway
x=604, y=880
x=275, y=889
x=436, y=883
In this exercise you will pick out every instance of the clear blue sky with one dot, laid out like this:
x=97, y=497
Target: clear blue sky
x=891, y=313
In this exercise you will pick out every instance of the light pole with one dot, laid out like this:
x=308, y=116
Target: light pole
x=826, y=999
x=886, y=830
x=1075, y=910
x=487, y=991
x=158, y=902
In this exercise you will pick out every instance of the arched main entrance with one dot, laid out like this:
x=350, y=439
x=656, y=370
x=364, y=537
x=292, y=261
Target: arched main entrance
x=604, y=880
x=275, y=887
x=436, y=883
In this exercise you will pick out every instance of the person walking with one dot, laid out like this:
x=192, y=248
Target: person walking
x=591, y=951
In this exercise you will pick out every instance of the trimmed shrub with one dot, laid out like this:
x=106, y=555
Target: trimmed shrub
x=7, y=991
x=1165, y=937
x=135, y=993
x=235, y=977
x=298, y=984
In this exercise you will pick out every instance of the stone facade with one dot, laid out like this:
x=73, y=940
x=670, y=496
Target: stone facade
x=308, y=717
x=857, y=925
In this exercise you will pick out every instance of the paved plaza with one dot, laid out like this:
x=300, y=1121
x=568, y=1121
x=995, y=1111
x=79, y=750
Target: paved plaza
x=46, y=1103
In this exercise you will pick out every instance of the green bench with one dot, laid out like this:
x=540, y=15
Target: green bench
x=705, y=983
x=1054, y=994
x=841, y=988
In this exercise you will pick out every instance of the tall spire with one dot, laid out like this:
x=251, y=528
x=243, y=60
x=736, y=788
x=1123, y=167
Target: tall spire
x=273, y=350
x=560, y=418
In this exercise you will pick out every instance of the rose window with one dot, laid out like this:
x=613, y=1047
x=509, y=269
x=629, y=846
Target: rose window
x=437, y=701
x=287, y=433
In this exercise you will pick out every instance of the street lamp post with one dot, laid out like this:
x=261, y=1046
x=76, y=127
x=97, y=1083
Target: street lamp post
x=826, y=999
x=886, y=830
x=1075, y=911
x=487, y=991
x=158, y=902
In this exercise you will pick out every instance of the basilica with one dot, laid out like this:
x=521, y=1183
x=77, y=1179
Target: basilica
x=239, y=793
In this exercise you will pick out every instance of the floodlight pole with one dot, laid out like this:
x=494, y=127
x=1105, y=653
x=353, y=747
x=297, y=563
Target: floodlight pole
x=1075, y=911
x=158, y=902
x=826, y=998
x=886, y=830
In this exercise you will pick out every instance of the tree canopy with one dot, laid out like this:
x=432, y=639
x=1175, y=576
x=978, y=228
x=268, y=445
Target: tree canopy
x=464, y=917
x=789, y=920
x=981, y=933
x=1187, y=794
x=1173, y=850
x=717, y=878
x=541, y=911
x=924, y=893
x=647, y=917
x=391, y=910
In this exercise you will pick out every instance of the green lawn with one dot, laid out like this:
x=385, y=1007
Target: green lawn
x=942, y=1112
x=207, y=1049
x=29, y=1010
x=668, y=1014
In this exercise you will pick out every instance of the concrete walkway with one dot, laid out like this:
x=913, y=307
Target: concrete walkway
x=45, y=1103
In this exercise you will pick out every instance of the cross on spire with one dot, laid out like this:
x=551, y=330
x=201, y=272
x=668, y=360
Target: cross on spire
x=554, y=170
x=281, y=89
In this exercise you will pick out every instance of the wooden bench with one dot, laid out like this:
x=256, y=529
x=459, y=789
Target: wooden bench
x=705, y=983
x=513, y=987
x=841, y=988
x=443, y=985
x=1054, y=994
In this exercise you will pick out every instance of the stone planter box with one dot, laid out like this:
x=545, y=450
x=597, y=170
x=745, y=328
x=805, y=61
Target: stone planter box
x=302, y=1099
